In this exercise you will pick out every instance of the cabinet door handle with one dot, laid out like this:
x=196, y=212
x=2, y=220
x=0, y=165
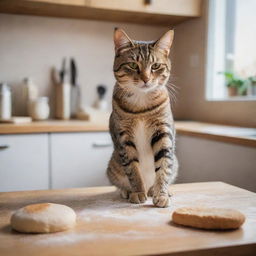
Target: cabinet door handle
x=101, y=144
x=2, y=147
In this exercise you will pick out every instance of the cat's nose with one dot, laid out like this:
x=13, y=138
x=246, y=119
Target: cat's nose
x=145, y=79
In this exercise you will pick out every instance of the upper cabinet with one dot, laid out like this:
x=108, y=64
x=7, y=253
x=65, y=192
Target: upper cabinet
x=155, y=12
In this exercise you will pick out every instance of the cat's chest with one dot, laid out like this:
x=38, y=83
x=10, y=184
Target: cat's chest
x=145, y=153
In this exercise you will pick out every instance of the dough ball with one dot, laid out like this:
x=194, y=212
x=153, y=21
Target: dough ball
x=43, y=218
x=208, y=218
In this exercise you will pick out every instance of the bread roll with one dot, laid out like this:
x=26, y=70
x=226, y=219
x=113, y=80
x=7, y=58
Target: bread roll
x=208, y=218
x=43, y=218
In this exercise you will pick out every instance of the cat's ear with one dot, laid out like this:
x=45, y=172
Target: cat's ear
x=165, y=42
x=121, y=39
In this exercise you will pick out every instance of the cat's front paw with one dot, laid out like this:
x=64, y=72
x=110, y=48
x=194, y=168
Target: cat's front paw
x=137, y=197
x=161, y=200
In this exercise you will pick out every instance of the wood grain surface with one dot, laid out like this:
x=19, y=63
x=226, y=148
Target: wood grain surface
x=224, y=133
x=54, y=126
x=108, y=225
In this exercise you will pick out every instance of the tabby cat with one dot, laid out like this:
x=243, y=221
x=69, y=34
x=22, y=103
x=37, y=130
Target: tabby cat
x=141, y=124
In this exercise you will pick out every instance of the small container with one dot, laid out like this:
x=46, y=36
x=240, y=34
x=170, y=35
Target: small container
x=40, y=109
x=31, y=93
x=5, y=102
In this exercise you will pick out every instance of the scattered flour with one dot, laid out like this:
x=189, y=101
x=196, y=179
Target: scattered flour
x=144, y=214
x=71, y=238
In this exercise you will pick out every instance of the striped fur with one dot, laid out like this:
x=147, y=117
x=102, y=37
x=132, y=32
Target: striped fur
x=141, y=124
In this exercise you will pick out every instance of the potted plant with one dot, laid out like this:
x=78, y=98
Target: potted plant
x=235, y=84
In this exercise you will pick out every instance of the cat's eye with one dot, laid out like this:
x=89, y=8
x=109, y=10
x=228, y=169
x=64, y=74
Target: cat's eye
x=133, y=65
x=155, y=66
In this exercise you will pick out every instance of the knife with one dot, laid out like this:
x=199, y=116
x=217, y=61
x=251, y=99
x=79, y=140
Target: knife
x=63, y=71
x=73, y=69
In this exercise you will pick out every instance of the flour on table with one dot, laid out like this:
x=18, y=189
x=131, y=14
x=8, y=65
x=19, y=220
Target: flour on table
x=144, y=214
x=97, y=213
x=70, y=238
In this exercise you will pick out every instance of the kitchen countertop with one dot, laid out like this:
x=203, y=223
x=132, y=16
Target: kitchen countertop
x=55, y=126
x=229, y=134
x=108, y=225
x=225, y=133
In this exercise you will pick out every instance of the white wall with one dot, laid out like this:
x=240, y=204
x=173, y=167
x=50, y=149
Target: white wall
x=206, y=160
x=30, y=46
x=191, y=42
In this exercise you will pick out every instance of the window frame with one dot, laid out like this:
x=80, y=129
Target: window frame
x=221, y=41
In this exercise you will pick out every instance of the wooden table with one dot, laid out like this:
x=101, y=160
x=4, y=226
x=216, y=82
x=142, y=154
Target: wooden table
x=108, y=225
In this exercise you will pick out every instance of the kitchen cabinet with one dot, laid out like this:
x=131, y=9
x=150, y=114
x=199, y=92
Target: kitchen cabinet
x=163, y=12
x=54, y=160
x=79, y=159
x=24, y=162
x=201, y=159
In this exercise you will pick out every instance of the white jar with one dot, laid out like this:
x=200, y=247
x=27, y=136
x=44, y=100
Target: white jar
x=40, y=109
x=5, y=102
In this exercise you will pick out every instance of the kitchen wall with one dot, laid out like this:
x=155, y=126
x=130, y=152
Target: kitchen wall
x=191, y=40
x=30, y=46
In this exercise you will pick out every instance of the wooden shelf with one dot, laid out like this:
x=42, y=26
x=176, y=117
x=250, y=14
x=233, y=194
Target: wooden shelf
x=164, y=12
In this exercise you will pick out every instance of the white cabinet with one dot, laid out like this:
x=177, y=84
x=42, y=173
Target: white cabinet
x=206, y=160
x=79, y=159
x=24, y=162
x=55, y=160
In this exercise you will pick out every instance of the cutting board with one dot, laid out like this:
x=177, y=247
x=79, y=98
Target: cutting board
x=108, y=225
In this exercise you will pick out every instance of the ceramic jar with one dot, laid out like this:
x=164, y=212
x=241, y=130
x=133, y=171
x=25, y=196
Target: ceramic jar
x=40, y=109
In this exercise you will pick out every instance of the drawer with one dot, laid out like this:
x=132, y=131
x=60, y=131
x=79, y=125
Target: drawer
x=24, y=162
x=80, y=159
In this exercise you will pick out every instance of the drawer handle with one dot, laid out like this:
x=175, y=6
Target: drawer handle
x=101, y=144
x=2, y=147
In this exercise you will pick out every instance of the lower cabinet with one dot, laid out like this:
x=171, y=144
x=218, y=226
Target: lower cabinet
x=55, y=160
x=79, y=159
x=206, y=160
x=24, y=162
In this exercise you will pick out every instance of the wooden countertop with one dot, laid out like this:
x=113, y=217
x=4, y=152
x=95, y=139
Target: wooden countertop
x=108, y=225
x=224, y=133
x=55, y=126
x=230, y=134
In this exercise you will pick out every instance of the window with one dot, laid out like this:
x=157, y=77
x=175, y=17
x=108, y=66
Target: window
x=231, y=64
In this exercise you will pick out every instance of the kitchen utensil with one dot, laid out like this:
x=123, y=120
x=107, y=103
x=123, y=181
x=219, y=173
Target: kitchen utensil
x=63, y=71
x=63, y=94
x=73, y=69
x=75, y=89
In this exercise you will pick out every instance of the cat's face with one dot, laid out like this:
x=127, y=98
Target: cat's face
x=142, y=65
